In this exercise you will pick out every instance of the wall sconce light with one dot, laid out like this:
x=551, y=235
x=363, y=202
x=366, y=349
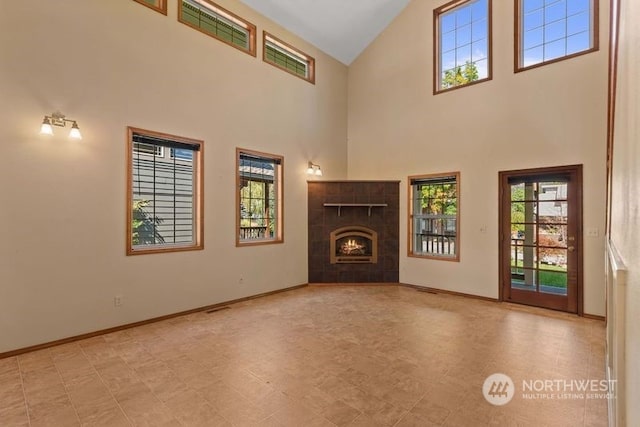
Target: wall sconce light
x=314, y=169
x=58, y=119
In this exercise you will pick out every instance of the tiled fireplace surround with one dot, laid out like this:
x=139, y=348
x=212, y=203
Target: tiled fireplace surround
x=325, y=219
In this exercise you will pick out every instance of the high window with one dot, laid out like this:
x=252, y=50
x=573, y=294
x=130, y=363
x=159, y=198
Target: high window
x=288, y=58
x=552, y=30
x=259, y=198
x=217, y=22
x=462, y=44
x=434, y=214
x=157, y=5
x=164, y=192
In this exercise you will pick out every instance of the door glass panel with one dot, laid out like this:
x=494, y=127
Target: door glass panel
x=539, y=237
x=553, y=282
x=517, y=192
x=517, y=212
x=542, y=242
x=553, y=191
x=553, y=259
x=554, y=212
x=524, y=279
x=552, y=235
x=523, y=256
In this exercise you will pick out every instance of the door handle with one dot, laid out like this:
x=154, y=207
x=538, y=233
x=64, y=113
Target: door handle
x=571, y=248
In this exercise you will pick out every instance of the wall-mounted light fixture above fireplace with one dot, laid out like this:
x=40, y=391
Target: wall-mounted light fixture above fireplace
x=314, y=169
x=59, y=119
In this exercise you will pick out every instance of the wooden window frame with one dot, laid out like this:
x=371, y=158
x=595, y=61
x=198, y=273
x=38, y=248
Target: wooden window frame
x=437, y=57
x=279, y=180
x=198, y=198
x=251, y=28
x=162, y=8
x=518, y=40
x=311, y=62
x=410, y=242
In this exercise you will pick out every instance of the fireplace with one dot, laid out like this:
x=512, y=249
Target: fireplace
x=354, y=245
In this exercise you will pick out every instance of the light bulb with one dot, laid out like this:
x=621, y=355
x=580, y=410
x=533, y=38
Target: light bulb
x=75, y=132
x=46, y=128
x=319, y=171
x=310, y=171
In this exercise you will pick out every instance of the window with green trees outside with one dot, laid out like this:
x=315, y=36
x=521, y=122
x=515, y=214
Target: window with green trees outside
x=434, y=209
x=259, y=198
x=462, y=44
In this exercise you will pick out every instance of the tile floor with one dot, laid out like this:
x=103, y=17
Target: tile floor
x=317, y=356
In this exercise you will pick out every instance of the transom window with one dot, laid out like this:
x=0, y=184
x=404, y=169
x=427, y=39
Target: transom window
x=219, y=23
x=164, y=203
x=284, y=56
x=259, y=198
x=434, y=212
x=462, y=44
x=552, y=30
x=157, y=5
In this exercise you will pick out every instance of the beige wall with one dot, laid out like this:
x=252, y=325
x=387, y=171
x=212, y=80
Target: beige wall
x=553, y=115
x=115, y=63
x=625, y=214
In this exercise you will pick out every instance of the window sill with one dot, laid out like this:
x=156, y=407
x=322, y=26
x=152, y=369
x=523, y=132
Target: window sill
x=455, y=258
x=240, y=243
x=163, y=249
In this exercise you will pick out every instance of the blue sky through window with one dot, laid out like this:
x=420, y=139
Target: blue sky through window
x=552, y=29
x=181, y=154
x=464, y=37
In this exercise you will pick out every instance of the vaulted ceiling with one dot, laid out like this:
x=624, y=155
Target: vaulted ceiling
x=341, y=28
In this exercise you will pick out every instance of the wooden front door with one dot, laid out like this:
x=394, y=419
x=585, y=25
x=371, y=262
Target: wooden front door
x=541, y=237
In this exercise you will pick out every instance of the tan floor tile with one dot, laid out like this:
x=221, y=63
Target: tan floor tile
x=13, y=414
x=36, y=360
x=192, y=410
x=142, y=408
x=241, y=412
x=413, y=420
x=11, y=393
x=110, y=416
x=431, y=412
x=41, y=378
x=389, y=415
x=296, y=414
x=326, y=356
x=364, y=420
x=58, y=411
x=9, y=365
x=340, y=413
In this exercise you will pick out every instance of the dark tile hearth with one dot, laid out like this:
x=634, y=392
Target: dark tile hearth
x=384, y=220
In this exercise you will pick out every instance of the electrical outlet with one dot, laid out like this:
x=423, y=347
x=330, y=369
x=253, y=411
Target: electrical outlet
x=117, y=301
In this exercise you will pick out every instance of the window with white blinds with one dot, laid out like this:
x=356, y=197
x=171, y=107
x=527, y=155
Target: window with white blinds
x=165, y=194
